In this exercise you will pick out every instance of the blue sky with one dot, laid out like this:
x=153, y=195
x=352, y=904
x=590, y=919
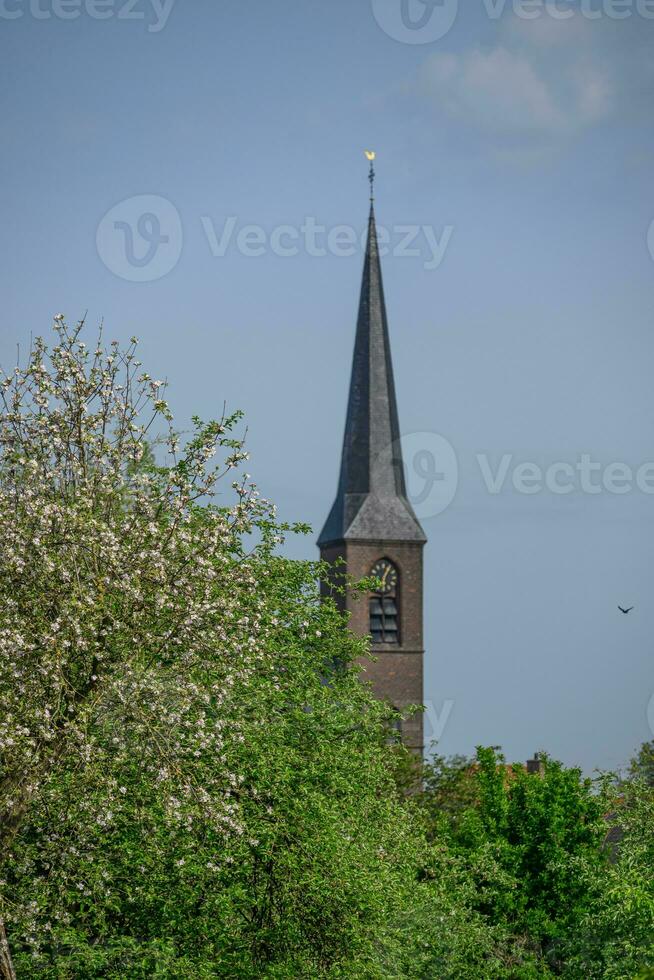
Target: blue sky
x=521, y=138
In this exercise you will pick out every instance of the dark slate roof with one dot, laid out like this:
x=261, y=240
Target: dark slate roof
x=371, y=501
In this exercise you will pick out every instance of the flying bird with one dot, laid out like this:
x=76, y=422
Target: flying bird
x=625, y=611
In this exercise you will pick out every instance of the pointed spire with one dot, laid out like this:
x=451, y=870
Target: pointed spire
x=371, y=501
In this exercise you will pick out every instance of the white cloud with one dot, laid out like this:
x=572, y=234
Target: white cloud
x=516, y=92
x=536, y=85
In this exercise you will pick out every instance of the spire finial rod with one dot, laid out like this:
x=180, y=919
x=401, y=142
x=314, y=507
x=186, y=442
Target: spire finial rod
x=370, y=156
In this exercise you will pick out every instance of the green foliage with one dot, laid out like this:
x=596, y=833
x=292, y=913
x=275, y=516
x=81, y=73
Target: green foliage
x=615, y=936
x=449, y=791
x=194, y=782
x=323, y=878
x=642, y=765
x=524, y=837
x=221, y=798
x=562, y=864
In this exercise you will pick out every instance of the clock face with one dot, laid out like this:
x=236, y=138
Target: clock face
x=387, y=574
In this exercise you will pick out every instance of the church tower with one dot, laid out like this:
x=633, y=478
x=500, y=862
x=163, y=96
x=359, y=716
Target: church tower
x=372, y=526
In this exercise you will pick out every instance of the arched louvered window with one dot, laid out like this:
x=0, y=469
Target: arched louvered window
x=384, y=603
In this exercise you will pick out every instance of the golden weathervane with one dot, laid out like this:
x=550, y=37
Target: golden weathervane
x=370, y=155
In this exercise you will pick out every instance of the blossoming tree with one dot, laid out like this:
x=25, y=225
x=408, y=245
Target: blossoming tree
x=121, y=584
x=194, y=782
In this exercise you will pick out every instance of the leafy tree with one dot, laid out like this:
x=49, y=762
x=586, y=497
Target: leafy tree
x=615, y=937
x=115, y=589
x=524, y=836
x=322, y=880
x=562, y=864
x=642, y=765
x=194, y=782
x=449, y=790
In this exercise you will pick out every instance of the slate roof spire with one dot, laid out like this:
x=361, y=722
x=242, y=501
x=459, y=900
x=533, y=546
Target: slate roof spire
x=371, y=501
